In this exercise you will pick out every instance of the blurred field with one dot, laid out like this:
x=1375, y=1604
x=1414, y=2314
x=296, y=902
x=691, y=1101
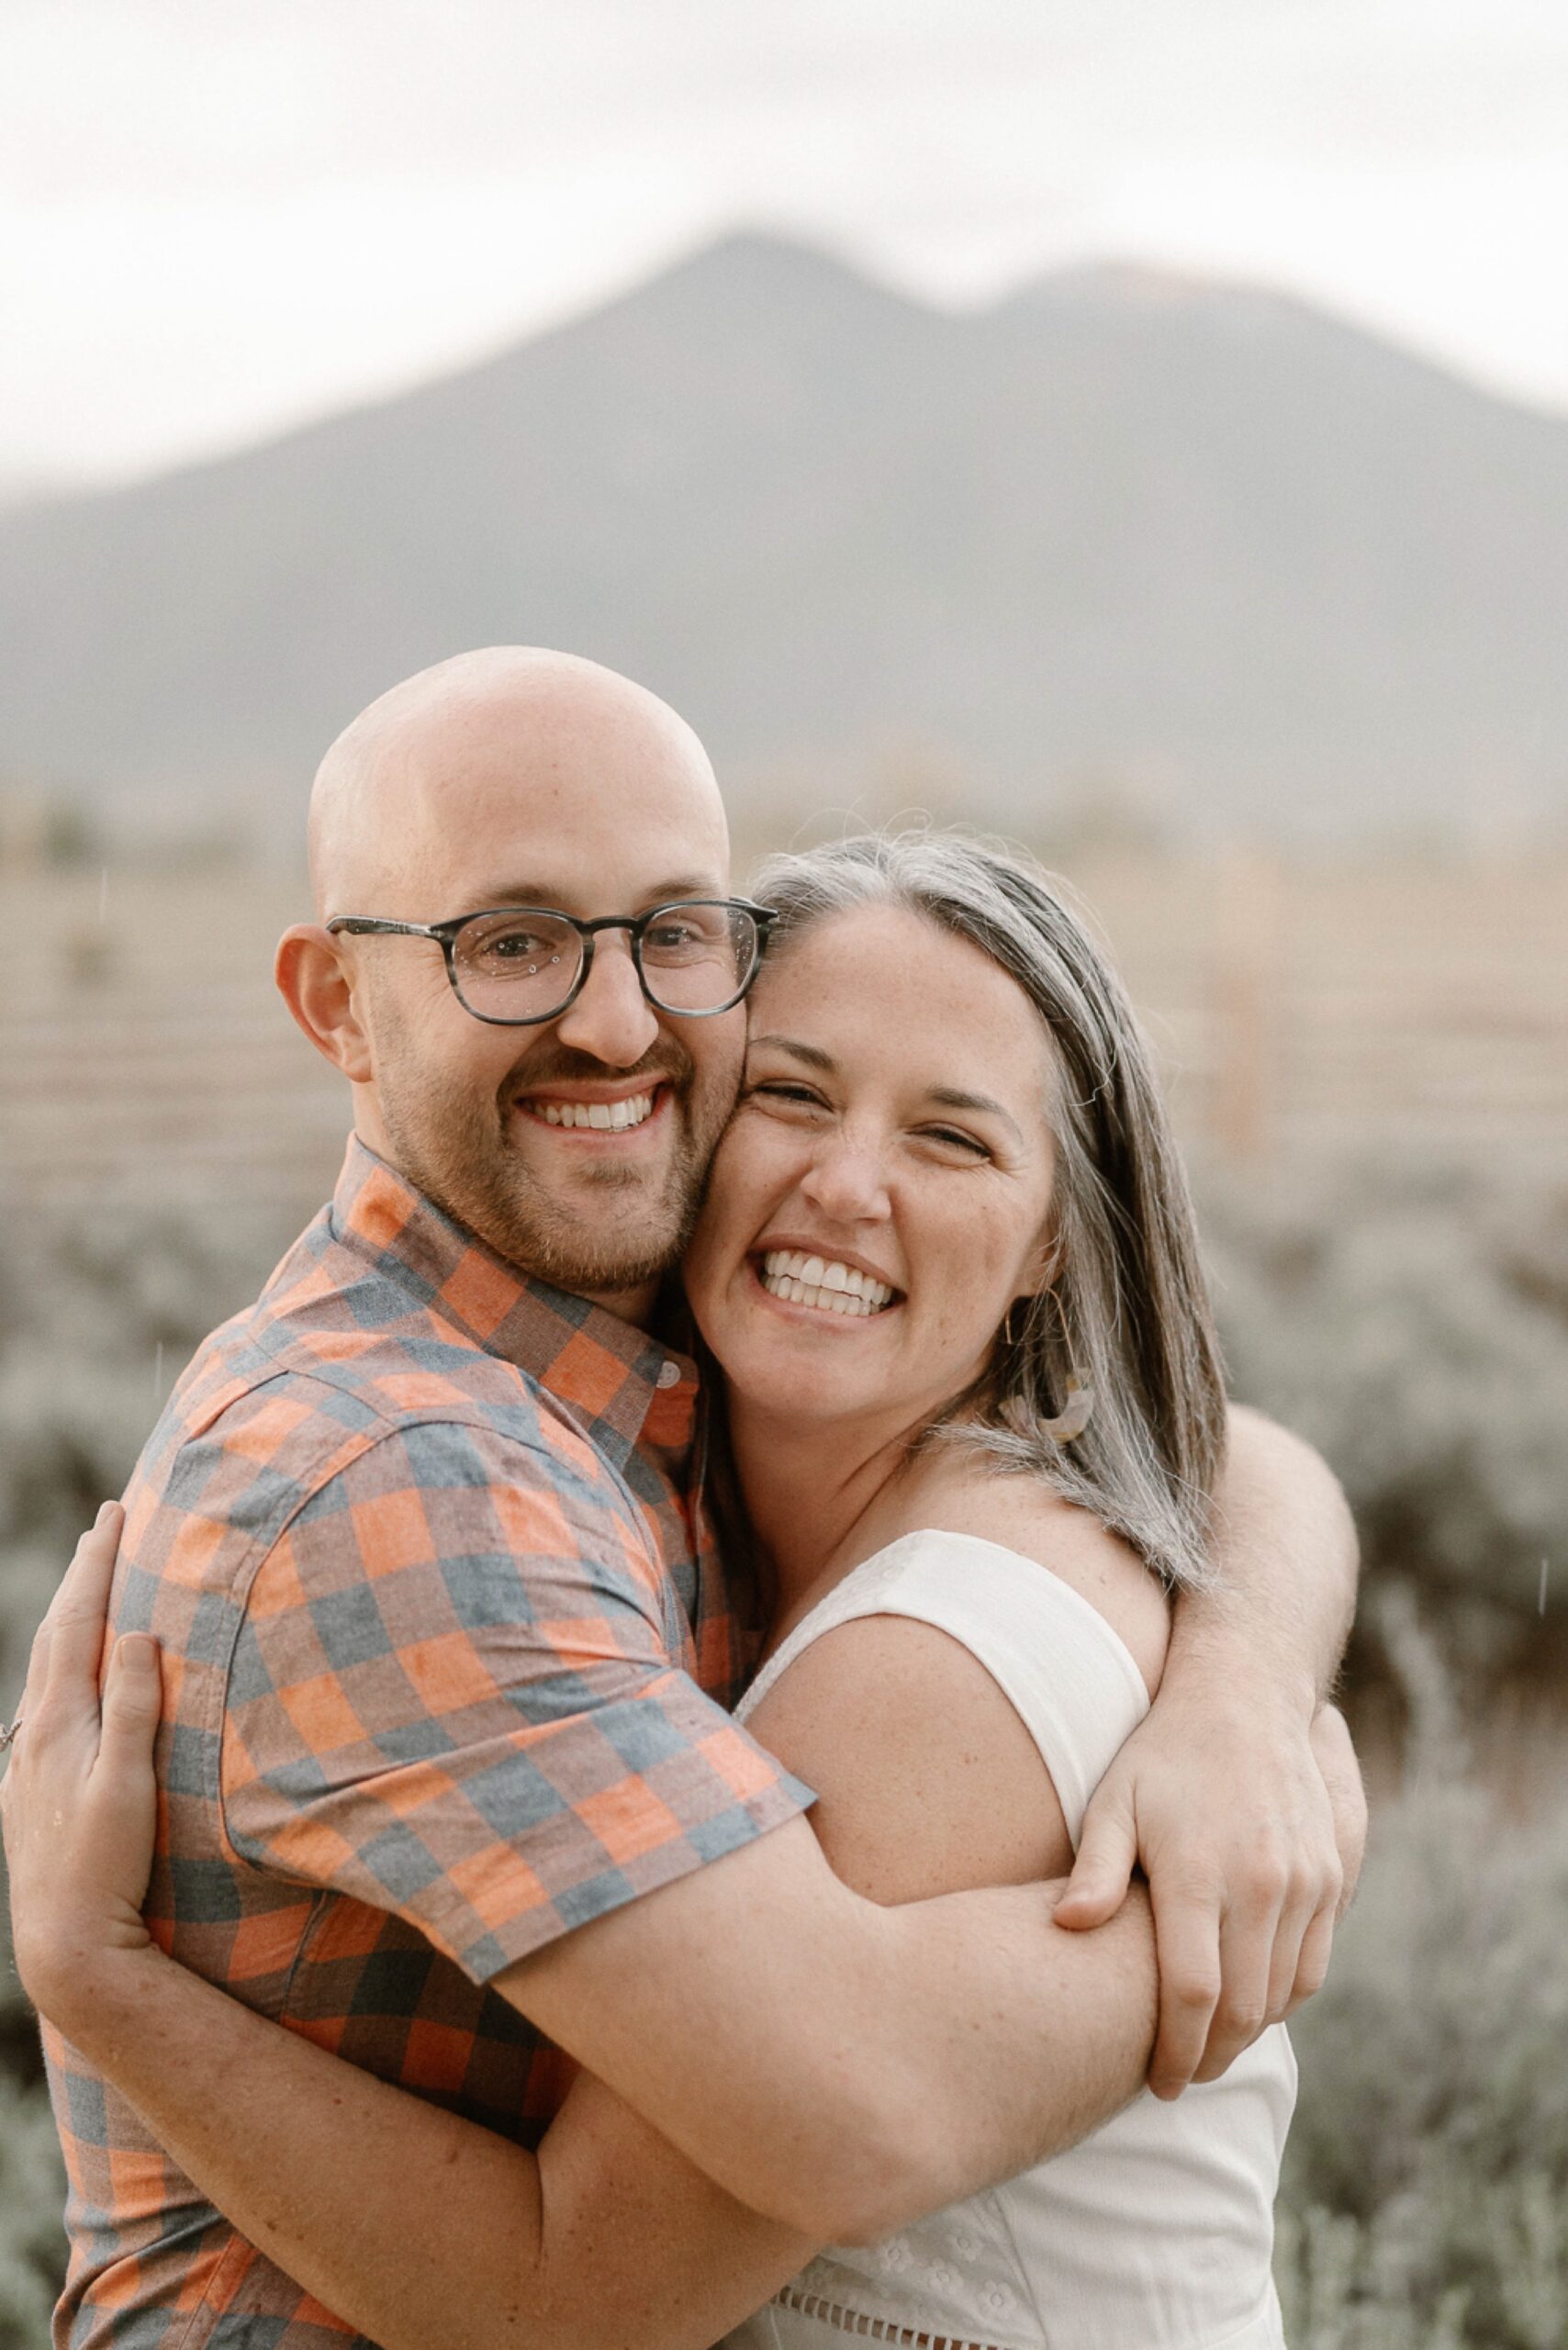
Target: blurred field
x=1370, y=1067
x=1305, y=1007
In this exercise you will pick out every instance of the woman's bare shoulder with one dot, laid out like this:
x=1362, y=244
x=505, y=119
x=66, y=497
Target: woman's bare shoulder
x=954, y=1492
x=926, y=1779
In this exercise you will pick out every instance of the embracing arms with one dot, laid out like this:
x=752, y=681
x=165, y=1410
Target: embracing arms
x=425, y=2231
x=1239, y=1793
x=613, y=2229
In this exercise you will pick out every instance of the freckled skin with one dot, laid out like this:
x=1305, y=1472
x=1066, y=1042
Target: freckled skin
x=949, y=1205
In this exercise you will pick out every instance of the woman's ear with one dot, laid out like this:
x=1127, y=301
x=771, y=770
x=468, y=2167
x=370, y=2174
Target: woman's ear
x=1045, y=1262
x=315, y=981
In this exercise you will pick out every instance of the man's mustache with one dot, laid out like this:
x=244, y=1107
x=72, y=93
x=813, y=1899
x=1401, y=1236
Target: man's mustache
x=667, y=1062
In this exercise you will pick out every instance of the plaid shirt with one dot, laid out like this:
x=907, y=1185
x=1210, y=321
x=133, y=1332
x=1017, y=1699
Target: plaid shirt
x=446, y=1659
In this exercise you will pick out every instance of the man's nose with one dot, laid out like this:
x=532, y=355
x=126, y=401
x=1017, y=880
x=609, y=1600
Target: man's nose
x=611, y=1019
x=847, y=1179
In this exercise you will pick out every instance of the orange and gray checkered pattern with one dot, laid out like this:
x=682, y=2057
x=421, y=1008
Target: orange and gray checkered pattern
x=446, y=1660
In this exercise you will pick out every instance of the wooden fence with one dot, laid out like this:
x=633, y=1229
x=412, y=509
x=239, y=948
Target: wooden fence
x=1298, y=1008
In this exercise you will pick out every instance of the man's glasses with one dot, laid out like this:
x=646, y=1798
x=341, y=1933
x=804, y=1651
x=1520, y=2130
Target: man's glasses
x=516, y=966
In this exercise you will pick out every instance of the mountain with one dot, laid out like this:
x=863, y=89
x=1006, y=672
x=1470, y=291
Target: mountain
x=1121, y=525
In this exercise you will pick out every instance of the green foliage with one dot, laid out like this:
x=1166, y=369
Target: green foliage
x=32, y=2189
x=1416, y=1326
x=1413, y=1324
x=1427, y=2171
x=33, y=2177
x=96, y=1322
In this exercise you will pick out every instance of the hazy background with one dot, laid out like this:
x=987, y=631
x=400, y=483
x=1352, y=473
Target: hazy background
x=1139, y=429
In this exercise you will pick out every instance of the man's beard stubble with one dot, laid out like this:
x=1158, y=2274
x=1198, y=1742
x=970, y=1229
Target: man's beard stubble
x=454, y=1149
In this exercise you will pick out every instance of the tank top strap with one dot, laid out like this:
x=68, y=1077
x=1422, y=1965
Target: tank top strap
x=1069, y=1675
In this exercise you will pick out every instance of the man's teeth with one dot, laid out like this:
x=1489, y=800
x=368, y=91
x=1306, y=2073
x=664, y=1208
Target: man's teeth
x=821, y=1282
x=610, y=1117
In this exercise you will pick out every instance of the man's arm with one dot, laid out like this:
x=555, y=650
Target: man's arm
x=840, y=2066
x=611, y=2235
x=1239, y=1793
x=832, y=2064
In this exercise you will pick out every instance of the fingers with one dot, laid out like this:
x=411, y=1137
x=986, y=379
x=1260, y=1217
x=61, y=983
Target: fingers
x=76, y=1619
x=1275, y=1945
x=1312, y=1966
x=1230, y=1965
x=1186, y=1937
x=1260, y=1937
x=123, y=1789
x=68, y=1645
x=1336, y=1758
x=133, y=1701
x=1107, y=1856
x=1298, y=1916
x=83, y=1597
x=76, y=1615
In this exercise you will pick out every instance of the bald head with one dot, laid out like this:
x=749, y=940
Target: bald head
x=451, y=763
x=518, y=779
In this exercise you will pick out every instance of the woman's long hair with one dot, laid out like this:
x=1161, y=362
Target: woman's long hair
x=1125, y=1315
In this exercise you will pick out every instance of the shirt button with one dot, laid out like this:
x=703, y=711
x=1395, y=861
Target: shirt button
x=669, y=1375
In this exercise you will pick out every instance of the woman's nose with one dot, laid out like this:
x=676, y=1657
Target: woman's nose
x=847, y=1180
x=611, y=1019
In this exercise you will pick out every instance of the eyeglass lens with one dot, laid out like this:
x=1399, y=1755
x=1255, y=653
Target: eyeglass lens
x=524, y=965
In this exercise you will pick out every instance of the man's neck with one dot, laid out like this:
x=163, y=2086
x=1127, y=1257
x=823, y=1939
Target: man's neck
x=636, y=1305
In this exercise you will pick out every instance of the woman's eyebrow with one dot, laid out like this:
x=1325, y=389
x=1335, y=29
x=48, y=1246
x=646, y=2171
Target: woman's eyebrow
x=947, y=1097
x=811, y=1055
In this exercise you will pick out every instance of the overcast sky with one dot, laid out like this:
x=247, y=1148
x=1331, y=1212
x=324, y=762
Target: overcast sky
x=218, y=220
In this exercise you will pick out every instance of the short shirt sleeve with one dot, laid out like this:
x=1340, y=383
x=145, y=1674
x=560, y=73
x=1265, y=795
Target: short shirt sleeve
x=452, y=1698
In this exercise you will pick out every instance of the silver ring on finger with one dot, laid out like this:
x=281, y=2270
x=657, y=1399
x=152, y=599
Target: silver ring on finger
x=8, y=1731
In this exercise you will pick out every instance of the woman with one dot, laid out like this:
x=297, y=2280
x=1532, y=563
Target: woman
x=945, y=1236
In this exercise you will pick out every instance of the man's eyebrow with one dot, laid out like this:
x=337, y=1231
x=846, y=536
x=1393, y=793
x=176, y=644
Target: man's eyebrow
x=662, y=893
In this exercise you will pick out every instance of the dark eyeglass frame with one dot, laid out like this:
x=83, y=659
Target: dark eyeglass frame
x=445, y=934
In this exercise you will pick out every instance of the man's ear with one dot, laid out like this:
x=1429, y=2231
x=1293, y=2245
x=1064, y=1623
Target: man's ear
x=316, y=980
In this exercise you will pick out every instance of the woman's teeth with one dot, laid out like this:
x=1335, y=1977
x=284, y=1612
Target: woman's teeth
x=821, y=1282
x=610, y=1117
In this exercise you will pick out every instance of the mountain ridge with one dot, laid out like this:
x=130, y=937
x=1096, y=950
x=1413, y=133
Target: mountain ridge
x=1280, y=573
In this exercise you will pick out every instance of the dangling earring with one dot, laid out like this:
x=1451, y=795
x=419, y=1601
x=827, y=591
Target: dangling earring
x=1078, y=1409
x=1078, y=1404
x=1009, y=1337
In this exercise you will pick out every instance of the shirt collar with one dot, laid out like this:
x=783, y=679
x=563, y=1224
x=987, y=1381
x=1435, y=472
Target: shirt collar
x=628, y=1387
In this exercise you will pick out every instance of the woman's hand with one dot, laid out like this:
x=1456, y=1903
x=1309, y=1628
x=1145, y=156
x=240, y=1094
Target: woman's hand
x=79, y=1804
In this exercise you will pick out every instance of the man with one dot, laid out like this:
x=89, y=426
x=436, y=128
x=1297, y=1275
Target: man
x=450, y=1785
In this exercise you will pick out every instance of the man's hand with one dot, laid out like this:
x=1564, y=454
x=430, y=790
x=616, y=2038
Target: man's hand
x=1251, y=1825
x=79, y=1803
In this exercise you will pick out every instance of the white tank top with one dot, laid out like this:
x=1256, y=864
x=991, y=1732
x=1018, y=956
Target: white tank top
x=1156, y=2232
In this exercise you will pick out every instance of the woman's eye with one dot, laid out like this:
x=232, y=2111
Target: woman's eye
x=969, y=1144
x=782, y=1089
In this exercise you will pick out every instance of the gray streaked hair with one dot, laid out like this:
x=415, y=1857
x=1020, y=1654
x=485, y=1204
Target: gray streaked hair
x=1126, y=1313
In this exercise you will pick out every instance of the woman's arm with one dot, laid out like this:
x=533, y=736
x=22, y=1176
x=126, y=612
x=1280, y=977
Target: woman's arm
x=427, y=2233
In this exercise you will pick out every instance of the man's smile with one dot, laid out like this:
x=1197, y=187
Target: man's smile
x=597, y=1114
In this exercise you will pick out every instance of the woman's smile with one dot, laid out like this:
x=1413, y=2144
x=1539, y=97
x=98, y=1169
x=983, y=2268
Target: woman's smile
x=821, y=1280
x=883, y=1193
